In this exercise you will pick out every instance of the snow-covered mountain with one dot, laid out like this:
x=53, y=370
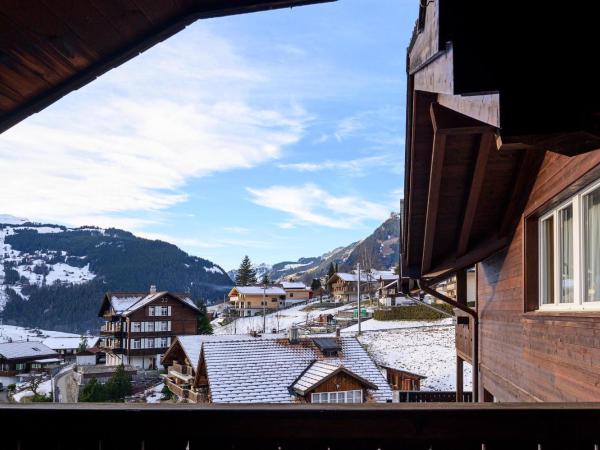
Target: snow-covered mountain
x=260, y=269
x=380, y=250
x=54, y=277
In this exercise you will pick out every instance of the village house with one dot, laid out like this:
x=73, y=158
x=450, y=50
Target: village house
x=18, y=359
x=343, y=286
x=295, y=292
x=139, y=327
x=253, y=300
x=67, y=347
x=503, y=172
x=273, y=369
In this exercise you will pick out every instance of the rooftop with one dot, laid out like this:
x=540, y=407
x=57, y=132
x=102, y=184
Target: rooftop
x=263, y=369
x=21, y=350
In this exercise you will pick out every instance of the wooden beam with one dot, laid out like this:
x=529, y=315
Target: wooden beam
x=447, y=121
x=474, y=192
x=433, y=198
x=528, y=168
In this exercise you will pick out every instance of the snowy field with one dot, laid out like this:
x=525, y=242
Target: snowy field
x=382, y=325
x=427, y=351
x=281, y=320
x=10, y=332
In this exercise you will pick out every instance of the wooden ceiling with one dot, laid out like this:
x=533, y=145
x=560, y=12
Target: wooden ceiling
x=49, y=48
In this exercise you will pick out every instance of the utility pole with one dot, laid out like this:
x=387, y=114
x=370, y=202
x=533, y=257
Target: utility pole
x=264, y=308
x=358, y=293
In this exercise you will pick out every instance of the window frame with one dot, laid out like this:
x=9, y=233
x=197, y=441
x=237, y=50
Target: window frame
x=318, y=397
x=579, y=269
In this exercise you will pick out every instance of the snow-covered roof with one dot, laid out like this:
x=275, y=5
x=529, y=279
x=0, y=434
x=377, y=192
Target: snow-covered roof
x=293, y=285
x=47, y=360
x=258, y=290
x=374, y=275
x=320, y=371
x=124, y=303
x=246, y=369
x=21, y=350
x=64, y=343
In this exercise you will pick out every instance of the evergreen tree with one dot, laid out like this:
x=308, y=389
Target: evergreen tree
x=246, y=274
x=315, y=285
x=118, y=386
x=93, y=392
x=83, y=344
x=265, y=279
x=331, y=271
x=204, y=326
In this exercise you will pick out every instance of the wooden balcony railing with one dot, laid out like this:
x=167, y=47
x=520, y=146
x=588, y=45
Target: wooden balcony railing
x=430, y=396
x=405, y=426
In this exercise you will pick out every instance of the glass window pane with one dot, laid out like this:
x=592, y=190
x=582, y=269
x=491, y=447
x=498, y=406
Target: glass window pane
x=565, y=235
x=547, y=260
x=591, y=245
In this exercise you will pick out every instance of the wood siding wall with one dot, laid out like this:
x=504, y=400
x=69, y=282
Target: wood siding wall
x=528, y=355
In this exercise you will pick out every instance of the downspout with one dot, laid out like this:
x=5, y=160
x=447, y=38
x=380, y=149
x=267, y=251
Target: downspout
x=471, y=313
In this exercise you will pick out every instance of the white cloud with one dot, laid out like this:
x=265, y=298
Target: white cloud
x=309, y=204
x=131, y=141
x=354, y=167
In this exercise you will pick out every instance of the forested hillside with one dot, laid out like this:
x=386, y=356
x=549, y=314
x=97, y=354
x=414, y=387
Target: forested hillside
x=54, y=277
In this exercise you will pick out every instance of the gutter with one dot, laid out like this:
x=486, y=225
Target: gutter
x=473, y=314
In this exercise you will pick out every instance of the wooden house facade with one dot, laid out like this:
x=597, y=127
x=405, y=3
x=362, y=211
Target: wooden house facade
x=139, y=327
x=503, y=172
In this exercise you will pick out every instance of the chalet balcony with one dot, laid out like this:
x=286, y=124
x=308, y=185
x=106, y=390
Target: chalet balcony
x=111, y=328
x=177, y=389
x=367, y=427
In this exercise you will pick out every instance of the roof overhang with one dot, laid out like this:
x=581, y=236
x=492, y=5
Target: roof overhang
x=50, y=49
x=481, y=114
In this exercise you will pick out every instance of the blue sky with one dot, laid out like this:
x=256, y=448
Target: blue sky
x=278, y=135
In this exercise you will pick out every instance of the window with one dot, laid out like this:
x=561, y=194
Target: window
x=163, y=310
x=150, y=326
x=291, y=294
x=337, y=397
x=569, y=253
x=136, y=327
x=136, y=344
x=151, y=311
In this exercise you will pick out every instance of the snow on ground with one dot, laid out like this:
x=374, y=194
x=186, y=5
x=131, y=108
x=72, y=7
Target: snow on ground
x=427, y=351
x=154, y=394
x=14, y=333
x=381, y=325
x=44, y=388
x=280, y=320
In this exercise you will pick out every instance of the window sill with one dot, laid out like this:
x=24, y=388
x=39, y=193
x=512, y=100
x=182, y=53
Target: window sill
x=592, y=315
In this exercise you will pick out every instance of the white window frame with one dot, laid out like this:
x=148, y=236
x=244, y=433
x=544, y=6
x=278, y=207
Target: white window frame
x=579, y=294
x=333, y=397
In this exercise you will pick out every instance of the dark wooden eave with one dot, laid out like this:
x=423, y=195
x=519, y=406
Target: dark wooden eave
x=48, y=49
x=486, y=100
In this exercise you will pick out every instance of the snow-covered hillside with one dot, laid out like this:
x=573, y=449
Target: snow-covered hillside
x=12, y=333
x=38, y=268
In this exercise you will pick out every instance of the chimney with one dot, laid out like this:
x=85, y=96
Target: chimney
x=294, y=335
x=153, y=289
x=337, y=332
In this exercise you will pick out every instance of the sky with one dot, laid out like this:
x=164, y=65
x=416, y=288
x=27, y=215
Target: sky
x=277, y=134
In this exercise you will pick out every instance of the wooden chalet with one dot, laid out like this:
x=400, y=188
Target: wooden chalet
x=139, y=326
x=254, y=300
x=402, y=380
x=503, y=172
x=273, y=369
x=20, y=358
